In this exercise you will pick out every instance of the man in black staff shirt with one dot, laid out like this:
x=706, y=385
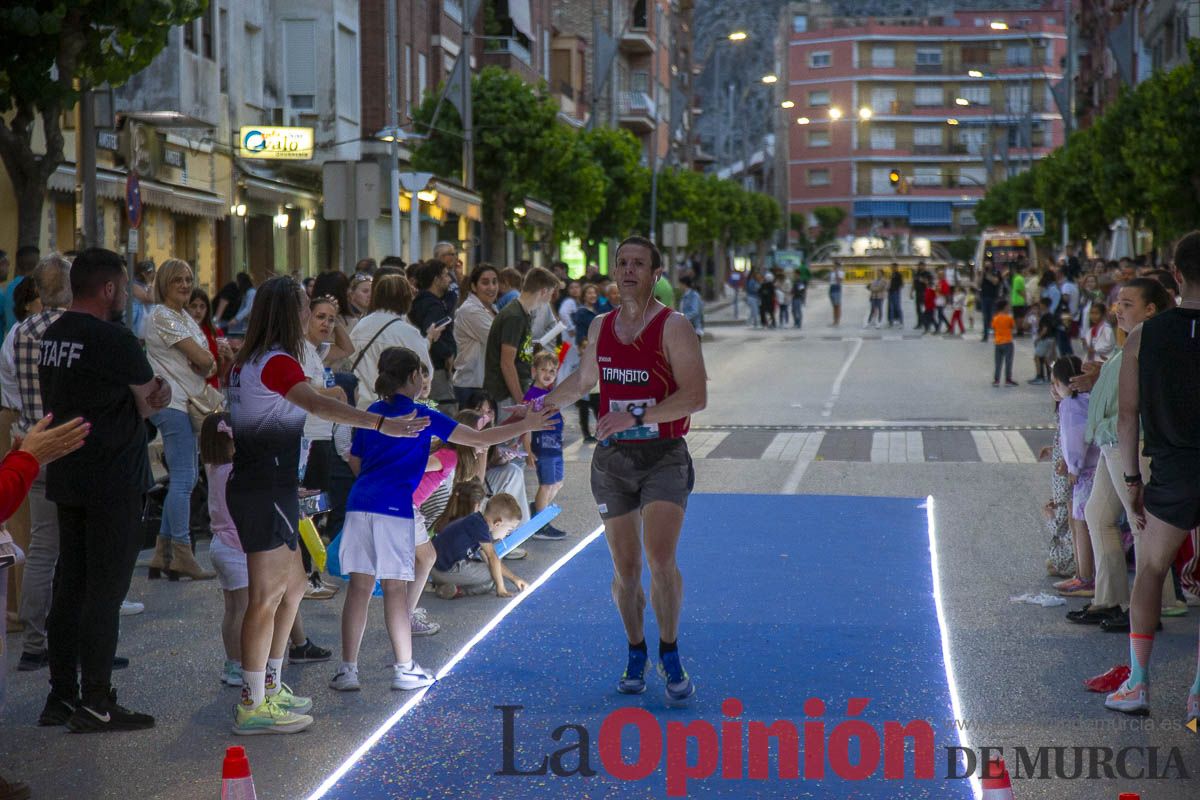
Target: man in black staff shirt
x=93, y=368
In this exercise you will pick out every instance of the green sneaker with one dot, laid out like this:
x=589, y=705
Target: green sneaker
x=288, y=701
x=269, y=717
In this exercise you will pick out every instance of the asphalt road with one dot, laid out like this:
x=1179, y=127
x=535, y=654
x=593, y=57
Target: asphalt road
x=847, y=411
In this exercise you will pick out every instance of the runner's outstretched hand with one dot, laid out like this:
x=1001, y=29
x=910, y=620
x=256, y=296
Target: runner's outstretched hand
x=404, y=426
x=614, y=422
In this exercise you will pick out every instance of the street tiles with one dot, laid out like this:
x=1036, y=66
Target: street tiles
x=878, y=446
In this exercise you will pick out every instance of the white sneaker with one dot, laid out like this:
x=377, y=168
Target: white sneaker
x=409, y=678
x=131, y=609
x=346, y=680
x=421, y=625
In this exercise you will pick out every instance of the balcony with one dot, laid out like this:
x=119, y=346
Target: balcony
x=636, y=111
x=637, y=41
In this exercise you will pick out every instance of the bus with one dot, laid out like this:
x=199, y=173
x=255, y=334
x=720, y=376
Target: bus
x=1001, y=247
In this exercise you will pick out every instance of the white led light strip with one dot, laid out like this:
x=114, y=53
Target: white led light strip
x=947, y=659
x=508, y=608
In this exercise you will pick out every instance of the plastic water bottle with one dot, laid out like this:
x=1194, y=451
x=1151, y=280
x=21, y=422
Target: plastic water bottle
x=236, y=782
x=329, y=381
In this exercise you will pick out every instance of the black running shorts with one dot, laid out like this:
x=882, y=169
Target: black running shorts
x=266, y=517
x=628, y=475
x=1173, y=493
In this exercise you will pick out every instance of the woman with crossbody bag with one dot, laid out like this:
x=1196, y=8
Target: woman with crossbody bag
x=178, y=351
x=386, y=327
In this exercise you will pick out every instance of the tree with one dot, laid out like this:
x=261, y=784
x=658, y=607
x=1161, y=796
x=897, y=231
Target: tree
x=570, y=180
x=51, y=52
x=511, y=122
x=616, y=153
x=829, y=219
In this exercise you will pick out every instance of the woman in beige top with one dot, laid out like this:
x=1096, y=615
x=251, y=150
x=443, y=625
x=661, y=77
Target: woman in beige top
x=472, y=322
x=178, y=351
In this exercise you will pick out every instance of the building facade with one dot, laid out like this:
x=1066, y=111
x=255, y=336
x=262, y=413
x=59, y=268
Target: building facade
x=948, y=104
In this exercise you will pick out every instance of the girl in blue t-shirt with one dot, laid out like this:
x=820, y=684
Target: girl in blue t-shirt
x=379, y=537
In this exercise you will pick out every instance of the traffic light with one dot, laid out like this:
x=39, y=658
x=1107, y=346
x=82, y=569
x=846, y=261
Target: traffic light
x=894, y=177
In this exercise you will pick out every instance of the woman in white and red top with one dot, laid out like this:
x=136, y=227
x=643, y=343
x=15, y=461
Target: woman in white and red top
x=269, y=398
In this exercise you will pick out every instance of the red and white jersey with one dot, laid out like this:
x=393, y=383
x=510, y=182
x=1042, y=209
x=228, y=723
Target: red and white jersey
x=266, y=427
x=637, y=374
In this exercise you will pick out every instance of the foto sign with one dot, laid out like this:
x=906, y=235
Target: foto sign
x=264, y=141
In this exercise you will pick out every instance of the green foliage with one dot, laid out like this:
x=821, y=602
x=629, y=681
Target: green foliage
x=626, y=182
x=828, y=219
x=570, y=180
x=1139, y=160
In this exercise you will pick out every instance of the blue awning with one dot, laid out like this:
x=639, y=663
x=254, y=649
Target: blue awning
x=930, y=214
x=877, y=209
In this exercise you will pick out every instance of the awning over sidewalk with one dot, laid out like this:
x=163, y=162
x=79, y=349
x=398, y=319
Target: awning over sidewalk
x=178, y=199
x=457, y=200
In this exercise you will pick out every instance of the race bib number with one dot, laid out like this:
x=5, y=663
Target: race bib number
x=637, y=433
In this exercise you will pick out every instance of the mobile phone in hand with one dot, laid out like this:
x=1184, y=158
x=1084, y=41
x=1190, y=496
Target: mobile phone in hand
x=443, y=322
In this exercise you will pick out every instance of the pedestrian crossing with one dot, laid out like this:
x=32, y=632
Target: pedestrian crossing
x=934, y=445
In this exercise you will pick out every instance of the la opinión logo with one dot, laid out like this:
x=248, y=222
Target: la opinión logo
x=736, y=749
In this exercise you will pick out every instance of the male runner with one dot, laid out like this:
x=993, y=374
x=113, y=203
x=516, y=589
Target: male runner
x=1160, y=379
x=647, y=360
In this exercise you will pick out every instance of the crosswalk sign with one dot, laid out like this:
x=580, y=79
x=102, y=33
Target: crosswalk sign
x=1031, y=221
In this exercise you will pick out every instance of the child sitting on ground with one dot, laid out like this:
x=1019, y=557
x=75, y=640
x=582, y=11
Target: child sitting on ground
x=456, y=573
x=545, y=447
x=228, y=558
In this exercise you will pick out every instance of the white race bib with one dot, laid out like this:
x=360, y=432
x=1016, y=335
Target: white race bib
x=639, y=432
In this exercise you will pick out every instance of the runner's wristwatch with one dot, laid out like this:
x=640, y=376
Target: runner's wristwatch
x=638, y=413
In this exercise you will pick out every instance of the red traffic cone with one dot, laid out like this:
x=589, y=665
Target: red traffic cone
x=996, y=784
x=236, y=781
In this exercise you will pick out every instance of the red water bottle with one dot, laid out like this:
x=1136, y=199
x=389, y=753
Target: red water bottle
x=236, y=781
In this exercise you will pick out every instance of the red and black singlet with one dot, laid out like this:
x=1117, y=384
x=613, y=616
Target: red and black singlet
x=637, y=374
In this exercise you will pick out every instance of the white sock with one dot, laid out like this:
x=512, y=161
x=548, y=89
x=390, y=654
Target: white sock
x=349, y=666
x=274, y=665
x=253, y=688
x=406, y=665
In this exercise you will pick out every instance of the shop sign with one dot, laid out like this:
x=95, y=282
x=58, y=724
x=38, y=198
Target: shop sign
x=261, y=141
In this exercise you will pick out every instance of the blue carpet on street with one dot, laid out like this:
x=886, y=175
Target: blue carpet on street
x=787, y=598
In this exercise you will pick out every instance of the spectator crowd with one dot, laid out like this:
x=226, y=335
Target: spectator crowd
x=142, y=413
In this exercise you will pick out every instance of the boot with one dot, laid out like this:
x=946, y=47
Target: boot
x=185, y=564
x=161, y=561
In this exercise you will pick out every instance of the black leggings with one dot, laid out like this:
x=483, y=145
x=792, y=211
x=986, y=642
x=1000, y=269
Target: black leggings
x=588, y=406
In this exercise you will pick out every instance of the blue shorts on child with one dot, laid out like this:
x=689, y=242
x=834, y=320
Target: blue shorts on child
x=550, y=469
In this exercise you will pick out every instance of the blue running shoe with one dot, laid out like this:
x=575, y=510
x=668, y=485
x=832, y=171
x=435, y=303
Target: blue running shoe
x=679, y=686
x=634, y=679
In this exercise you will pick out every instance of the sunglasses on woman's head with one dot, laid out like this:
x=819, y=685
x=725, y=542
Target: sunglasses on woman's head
x=361, y=279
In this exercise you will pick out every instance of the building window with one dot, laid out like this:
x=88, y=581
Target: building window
x=1019, y=55
x=977, y=94
x=927, y=136
x=883, y=98
x=883, y=57
x=929, y=56
x=883, y=138
x=189, y=35
x=253, y=68
x=300, y=63
x=206, y=35
x=818, y=98
x=405, y=74
x=927, y=176
x=639, y=15
x=347, y=72
x=799, y=23
x=818, y=177
x=223, y=32
x=818, y=138
x=972, y=176
x=1017, y=98
x=820, y=59
x=422, y=74
x=928, y=96
x=976, y=55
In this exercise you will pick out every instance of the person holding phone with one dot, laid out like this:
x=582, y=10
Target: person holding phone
x=432, y=309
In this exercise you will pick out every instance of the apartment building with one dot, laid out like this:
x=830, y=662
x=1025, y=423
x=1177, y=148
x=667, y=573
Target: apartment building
x=951, y=102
